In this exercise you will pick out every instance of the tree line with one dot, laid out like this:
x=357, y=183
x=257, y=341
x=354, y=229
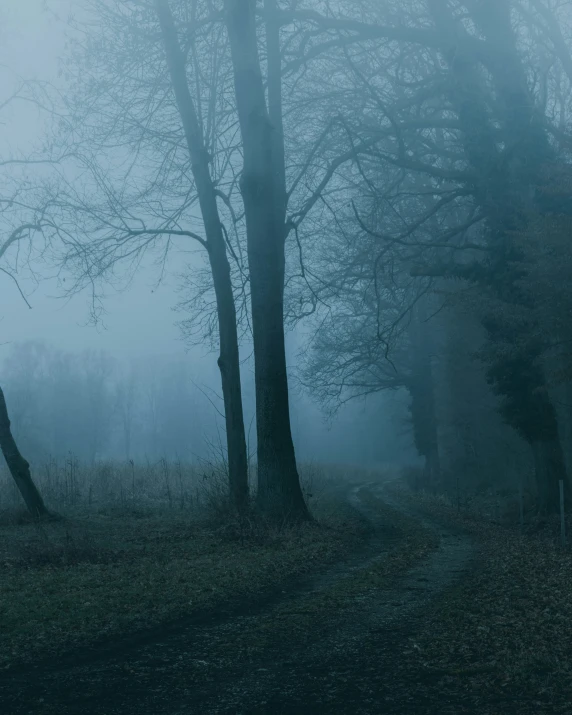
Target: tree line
x=395, y=174
x=98, y=408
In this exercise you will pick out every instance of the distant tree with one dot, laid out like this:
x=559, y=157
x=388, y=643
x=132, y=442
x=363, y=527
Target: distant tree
x=421, y=385
x=97, y=370
x=170, y=157
x=125, y=402
x=23, y=367
x=467, y=98
x=62, y=410
x=62, y=400
x=373, y=337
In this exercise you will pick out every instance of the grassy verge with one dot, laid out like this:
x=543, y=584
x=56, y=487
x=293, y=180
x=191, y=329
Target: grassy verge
x=100, y=576
x=203, y=664
x=500, y=641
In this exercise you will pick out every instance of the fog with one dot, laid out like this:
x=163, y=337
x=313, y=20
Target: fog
x=379, y=266
x=138, y=324
x=285, y=356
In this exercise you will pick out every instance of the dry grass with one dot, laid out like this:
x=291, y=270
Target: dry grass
x=112, y=567
x=67, y=484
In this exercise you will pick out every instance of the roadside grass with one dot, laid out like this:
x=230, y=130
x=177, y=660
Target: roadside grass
x=103, y=573
x=197, y=665
x=500, y=640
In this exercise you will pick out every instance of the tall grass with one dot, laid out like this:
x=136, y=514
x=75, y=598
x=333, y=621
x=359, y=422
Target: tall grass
x=68, y=484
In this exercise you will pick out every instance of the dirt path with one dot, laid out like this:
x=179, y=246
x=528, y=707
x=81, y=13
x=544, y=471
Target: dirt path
x=323, y=647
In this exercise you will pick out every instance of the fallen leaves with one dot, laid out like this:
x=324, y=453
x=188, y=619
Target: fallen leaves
x=161, y=570
x=500, y=640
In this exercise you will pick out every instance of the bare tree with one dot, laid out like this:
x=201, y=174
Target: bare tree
x=263, y=188
x=485, y=165
x=18, y=466
x=126, y=391
x=22, y=218
x=228, y=360
x=174, y=155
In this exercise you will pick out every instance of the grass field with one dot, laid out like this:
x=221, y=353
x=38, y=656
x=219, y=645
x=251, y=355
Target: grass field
x=119, y=563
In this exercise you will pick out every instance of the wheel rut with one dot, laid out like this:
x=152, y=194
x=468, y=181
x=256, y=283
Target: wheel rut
x=342, y=666
x=346, y=670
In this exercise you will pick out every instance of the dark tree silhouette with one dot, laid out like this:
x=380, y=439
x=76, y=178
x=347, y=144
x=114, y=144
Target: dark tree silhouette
x=18, y=466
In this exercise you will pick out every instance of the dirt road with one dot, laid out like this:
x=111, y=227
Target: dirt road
x=331, y=644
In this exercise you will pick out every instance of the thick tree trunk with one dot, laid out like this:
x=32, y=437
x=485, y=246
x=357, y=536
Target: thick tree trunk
x=432, y=472
x=540, y=429
x=18, y=466
x=435, y=462
x=279, y=493
x=229, y=360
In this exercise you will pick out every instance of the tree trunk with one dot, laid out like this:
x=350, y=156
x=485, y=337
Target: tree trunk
x=549, y=463
x=127, y=441
x=505, y=192
x=549, y=469
x=18, y=466
x=425, y=428
x=435, y=463
x=229, y=366
x=279, y=493
x=432, y=472
x=228, y=361
x=422, y=391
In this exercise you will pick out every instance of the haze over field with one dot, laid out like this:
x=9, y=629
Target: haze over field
x=365, y=224
x=285, y=357
x=139, y=322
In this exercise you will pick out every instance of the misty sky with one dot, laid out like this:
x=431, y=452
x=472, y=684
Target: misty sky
x=31, y=41
x=141, y=320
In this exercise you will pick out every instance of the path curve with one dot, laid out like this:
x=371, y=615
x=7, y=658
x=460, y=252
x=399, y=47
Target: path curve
x=344, y=670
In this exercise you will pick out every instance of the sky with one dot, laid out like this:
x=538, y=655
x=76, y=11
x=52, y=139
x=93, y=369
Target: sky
x=31, y=43
x=139, y=321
